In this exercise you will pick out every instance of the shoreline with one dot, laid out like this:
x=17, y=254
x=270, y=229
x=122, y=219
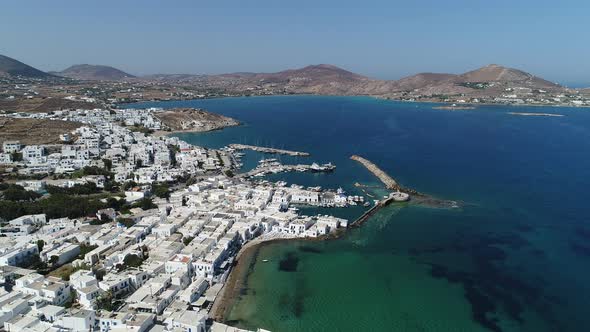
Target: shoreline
x=161, y=133
x=244, y=263
x=536, y=114
x=246, y=257
x=369, y=96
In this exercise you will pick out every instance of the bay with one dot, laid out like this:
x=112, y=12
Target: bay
x=514, y=257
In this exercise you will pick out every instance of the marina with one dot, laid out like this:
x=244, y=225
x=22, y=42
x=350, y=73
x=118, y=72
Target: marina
x=273, y=166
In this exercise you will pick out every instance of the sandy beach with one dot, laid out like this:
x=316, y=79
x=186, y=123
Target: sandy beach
x=236, y=281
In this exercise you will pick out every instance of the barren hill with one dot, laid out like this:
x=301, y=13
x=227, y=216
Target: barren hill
x=496, y=73
x=12, y=67
x=195, y=120
x=94, y=73
x=35, y=131
x=488, y=81
x=43, y=105
x=422, y=80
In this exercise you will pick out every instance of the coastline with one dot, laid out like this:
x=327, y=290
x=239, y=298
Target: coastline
x=444, y=103
x=240, y=280
x=536, y=114
x=160, y=133
x=244, y=263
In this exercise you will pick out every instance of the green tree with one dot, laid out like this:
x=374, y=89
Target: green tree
x=16, y=156
x=53, y=260
x=145, y=204
x=108, y=164
x=127, y=222
x=17, y=193
x=187, y=240
x=161, y=190
x=40, y=245
x=72, y=299
x=105, y=302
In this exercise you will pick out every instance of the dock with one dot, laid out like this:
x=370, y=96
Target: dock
x=365, y=216
x=273, y=169
x=268, y=150
x=389, y=182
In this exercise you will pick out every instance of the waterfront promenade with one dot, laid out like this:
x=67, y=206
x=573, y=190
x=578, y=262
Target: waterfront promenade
x=268, y=150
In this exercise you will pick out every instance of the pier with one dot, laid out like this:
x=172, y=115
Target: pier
x=268, y=150
x=365, y=216
x=389, y=182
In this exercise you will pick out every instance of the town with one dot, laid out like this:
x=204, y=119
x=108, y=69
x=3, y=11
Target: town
x=116, y=229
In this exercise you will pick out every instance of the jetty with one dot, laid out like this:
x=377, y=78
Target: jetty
x=389, y=182
x=267, y=150
x=365, y=216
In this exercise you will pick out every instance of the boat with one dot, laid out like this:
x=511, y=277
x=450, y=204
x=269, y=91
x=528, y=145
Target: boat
x=315, y=167
x=265, y=260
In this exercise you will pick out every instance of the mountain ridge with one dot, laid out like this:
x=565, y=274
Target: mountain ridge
x=13, y=67
x=490, y=81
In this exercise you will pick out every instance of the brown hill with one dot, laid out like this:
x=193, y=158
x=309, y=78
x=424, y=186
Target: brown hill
x=315, y=79
x=94, y=73
x=35, y=131
x=43, y=105
x=423, y=80
x=331, y=80
x=488, y=81
x=195, y=120
x=496, y=73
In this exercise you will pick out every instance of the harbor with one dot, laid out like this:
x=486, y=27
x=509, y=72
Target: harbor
x=273, y=166
x=268, y=150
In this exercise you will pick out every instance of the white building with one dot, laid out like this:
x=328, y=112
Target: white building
x=11, y=146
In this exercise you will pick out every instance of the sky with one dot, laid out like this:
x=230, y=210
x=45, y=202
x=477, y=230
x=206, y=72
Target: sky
x=385, y=39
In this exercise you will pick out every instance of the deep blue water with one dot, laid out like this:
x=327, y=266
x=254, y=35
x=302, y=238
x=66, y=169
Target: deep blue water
x=519, y=248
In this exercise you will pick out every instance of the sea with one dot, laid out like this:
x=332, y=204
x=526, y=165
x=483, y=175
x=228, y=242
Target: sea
x=514, y=256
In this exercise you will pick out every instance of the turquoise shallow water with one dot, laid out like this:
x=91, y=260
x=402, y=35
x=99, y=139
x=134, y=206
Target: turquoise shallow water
x=515, y=257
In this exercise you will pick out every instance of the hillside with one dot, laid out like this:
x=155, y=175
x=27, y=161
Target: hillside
x=94, y=73
x=315, y=79
x=485, y=83
x=194, y=120
x=35, y=131
x=12, y=67
x=496, y=73
x=422, y=80
x=43, y=105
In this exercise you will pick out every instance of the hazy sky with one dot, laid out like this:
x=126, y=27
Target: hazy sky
x=382, y=39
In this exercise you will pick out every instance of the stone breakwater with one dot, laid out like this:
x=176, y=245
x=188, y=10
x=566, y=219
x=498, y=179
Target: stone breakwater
x=389, y=182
